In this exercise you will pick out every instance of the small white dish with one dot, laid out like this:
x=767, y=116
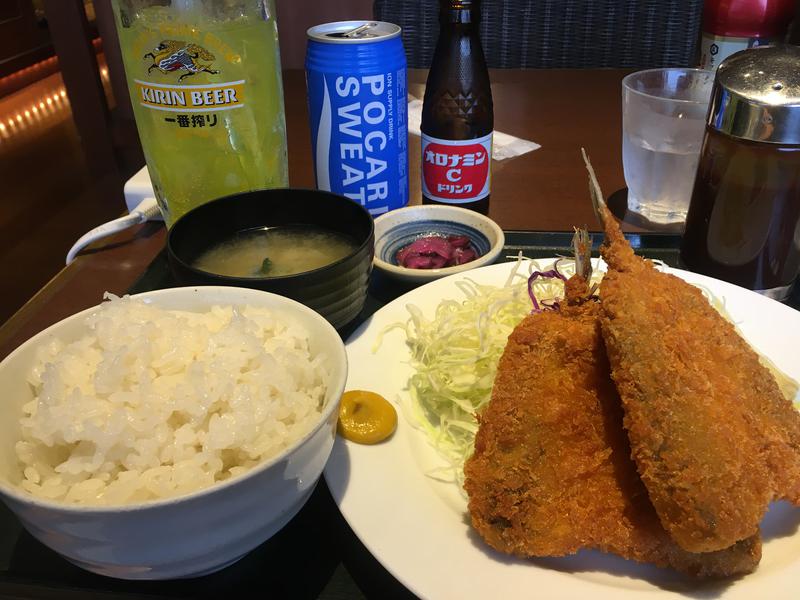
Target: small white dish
x=398, y=228
x=188, y=535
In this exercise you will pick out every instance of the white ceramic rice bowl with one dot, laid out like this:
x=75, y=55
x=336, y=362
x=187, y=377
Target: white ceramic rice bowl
x=189, y=535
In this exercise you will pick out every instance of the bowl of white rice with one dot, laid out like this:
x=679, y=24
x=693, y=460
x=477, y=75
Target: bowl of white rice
x=169, y=433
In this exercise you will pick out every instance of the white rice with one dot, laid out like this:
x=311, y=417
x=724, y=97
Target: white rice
x=155, y=403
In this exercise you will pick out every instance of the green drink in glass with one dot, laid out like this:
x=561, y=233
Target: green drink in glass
x=205, y=82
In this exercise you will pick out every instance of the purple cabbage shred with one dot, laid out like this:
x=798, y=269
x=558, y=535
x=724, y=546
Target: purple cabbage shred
x=551, y=274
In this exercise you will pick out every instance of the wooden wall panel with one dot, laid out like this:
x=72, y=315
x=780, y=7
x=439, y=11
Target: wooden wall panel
x=23, y=39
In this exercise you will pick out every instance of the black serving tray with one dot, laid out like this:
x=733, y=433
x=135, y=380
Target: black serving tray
x=533, y=244
x=316, y=555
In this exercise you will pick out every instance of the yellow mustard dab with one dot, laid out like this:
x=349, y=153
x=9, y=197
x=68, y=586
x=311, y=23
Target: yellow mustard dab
x=366, y=417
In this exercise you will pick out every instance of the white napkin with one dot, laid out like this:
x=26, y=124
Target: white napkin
x=503, y=145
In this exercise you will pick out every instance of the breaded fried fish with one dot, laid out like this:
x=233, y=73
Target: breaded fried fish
x=551, y=472
x=712, y=435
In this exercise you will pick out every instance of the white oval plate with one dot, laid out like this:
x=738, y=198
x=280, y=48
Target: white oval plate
x=418, y=527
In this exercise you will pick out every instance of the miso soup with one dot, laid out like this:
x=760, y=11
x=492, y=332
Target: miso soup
x=275, y=251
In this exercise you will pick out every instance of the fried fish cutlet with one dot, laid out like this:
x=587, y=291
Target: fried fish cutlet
x=551, y=472
x=712, y=436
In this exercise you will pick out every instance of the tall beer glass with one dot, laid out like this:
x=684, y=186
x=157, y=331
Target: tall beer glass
x=205, y=81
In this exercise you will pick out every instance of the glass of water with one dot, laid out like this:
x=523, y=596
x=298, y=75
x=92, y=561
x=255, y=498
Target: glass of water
x=663, y=119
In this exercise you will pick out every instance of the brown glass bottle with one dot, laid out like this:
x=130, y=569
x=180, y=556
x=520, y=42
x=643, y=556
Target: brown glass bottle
x=744, y=216
x=457, y=113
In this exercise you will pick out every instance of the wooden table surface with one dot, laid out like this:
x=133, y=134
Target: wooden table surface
x=543, y=190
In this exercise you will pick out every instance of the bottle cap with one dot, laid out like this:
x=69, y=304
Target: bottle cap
x=459, y=11
x=756, y=95
x=756, y=19
x=457, y=4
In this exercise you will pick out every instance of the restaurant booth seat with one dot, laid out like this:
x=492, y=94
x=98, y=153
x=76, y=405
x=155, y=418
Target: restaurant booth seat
x=561, y=33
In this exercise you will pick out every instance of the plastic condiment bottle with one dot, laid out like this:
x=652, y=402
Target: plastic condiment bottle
x=743, y=224
x=733, y=25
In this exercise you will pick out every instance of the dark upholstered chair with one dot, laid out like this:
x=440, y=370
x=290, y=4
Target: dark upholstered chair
x=561, y=33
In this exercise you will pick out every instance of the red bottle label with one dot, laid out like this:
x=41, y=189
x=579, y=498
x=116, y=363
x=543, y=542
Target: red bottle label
x=456, y=171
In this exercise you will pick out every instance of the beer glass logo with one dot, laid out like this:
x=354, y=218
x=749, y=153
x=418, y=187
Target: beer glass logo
x=173, y=55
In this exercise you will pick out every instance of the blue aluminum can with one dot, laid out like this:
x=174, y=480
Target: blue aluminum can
x=356, y=78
